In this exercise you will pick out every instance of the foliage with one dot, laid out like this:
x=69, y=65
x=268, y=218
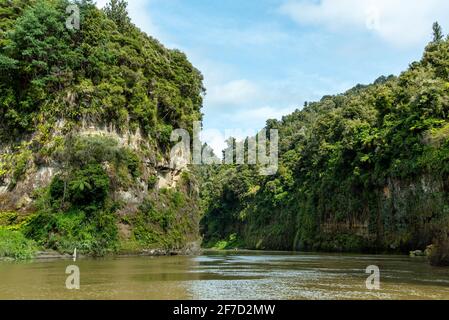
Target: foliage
x=64, y=231
x=13, y=221
x=76, y=211
x=165, y=220
x=437, y=32
x=13, y=244
x=366, y=170
x=231, y=243
x=116, y=10
x=55, y=83
x=89, y=186
x=107, y=72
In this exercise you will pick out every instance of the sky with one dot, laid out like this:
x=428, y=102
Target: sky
x=262, y=59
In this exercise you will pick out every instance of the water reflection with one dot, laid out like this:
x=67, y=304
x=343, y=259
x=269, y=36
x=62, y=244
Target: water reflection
x=227, y=276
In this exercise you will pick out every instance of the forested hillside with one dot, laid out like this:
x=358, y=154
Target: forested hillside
x=366, y=170
x=86, y=116
x=85, y=121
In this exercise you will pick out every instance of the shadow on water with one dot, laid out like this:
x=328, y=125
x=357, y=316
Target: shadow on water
x=227, y=275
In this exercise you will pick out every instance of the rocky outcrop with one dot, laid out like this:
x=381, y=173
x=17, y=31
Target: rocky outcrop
x=402, y=215
x=19, y=197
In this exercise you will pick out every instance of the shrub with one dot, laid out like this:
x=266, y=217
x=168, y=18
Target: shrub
x=13, y=244
x=89, y=186
x=439, y=255
x=57, y=188
x=230, y=243
x=91, y=234
x=149, y=214
x=131, y=161
x=152, y=181
x=8, y=218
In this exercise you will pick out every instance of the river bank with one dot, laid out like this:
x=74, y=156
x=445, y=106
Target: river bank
x=54, y=255
x=221, y=275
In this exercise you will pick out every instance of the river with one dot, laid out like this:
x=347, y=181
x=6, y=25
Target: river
x=227, y=275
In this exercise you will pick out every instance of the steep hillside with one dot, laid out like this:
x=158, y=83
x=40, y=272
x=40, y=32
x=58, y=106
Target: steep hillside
x=367, y=170
x=86, y=117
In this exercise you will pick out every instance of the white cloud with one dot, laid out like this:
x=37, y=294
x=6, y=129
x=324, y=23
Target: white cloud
x=232, y=93
x=215, y=139
x=241, y=124
x=400, y=22
x=101, y=3
x=138, y=12
x=261, y=114
x=257, y=35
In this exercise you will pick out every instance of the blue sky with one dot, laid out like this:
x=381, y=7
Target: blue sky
x=264, y=58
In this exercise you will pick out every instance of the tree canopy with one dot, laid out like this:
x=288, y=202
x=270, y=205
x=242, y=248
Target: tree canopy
x=362, y=170
x=107, y=72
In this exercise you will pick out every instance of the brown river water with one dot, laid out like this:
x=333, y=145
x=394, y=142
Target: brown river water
x=227, y=275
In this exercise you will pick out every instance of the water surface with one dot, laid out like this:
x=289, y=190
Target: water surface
x=228, y=275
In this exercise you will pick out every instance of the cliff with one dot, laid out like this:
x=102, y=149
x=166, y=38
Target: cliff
x=365, y=170
x=86, y=116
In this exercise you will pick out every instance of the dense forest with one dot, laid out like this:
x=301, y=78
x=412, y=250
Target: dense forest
x=86, y=117
x=363, y=171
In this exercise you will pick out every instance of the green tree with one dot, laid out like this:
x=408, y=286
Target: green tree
x=437, y=32
x=355, y=171
x=117, y=11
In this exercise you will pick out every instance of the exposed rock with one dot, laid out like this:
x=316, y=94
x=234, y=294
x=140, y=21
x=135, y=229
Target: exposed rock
x=43, y=177
x=417, y=253
x=429, y=250
x=439, y=253
x=124, y=231
x=48, y=255
x=128, y=138
x=192, y=248
x=168, y=178
x=24, y=202
x=20, y=198
x=155, y=252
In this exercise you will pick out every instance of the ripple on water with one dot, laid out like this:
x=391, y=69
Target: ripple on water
x=228, y=276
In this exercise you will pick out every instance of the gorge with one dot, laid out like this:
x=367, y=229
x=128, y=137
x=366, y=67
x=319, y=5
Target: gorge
x=85, y=140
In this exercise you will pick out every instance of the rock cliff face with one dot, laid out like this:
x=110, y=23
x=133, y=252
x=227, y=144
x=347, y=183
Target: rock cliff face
x=364, y=170
x=86, y=116
x=154, y=165
x=156, y=183
x=398, y=217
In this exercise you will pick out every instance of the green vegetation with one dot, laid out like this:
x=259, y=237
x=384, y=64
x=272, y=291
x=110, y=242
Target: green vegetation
x=13, y=244
x=91, y=233
x=75, y=210
x=107, y=72
x=55, y=83
x=230, y=243
x=13, y=221
x=166, y=220
x=366, y=170
x=94, y=108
